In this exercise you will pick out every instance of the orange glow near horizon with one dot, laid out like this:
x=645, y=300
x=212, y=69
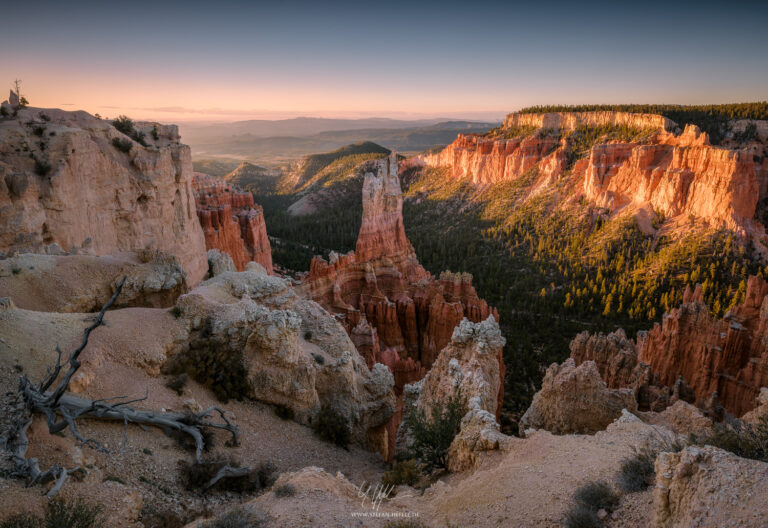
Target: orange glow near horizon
x=206, y=101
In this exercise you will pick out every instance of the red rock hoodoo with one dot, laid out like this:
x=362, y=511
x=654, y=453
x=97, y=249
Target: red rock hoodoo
x=231, y=222
x=395, y=312
x=728, y=356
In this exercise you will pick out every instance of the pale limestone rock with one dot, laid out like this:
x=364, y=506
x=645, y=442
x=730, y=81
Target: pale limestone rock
x=479, y=433
x=84, y=283
x=761, y=408
x=709, y=487
x=121, y=201
x=468, y=364
x=575, y=400
x=684, y=418
x=219, y=262
x=259, y=318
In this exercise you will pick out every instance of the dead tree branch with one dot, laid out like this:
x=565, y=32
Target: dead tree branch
x=61, y=411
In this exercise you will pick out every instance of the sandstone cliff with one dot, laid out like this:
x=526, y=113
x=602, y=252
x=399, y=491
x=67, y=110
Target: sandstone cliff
x=231, y=222
x=572, y=120
x=690, y=355
x=678, y=174
x=64, y=182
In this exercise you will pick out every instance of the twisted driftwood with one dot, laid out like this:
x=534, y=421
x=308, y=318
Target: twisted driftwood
x=62, y=410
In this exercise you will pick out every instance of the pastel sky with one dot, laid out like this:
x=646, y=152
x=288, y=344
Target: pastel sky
x=225, y=60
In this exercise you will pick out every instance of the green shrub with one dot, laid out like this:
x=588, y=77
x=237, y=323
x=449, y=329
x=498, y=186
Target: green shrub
x=597, y=496
x=432, y=437
x=213, y=364
x=740, y=438
x=748, y=134
x=332, y=427
x=636, y=472
x=125, y=125
x=407, y=472
x=178, y=382
x=123, y=145
x=38, y=130
x=60, y=513
x=42, y=167
x=319, y=359
x=285, y=490
x=581, y=516
x=155, y=134
x=113, y=478
x=21, y=520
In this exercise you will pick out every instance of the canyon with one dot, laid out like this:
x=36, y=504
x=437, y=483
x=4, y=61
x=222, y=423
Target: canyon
x=394, y=311
x=205, y=321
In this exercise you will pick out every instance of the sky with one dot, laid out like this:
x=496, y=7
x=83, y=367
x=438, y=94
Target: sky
x=228, y=61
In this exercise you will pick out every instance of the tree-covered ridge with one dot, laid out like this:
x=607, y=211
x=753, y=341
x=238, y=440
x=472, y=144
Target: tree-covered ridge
x=712, y=119
x=296, y=239
x=554, y=270
x=335, y=223
x=314, y=163
x=756, y=110
x=339, y=170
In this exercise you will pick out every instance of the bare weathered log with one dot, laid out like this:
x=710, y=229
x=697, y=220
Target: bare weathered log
x=61, y=411
x=227, y=472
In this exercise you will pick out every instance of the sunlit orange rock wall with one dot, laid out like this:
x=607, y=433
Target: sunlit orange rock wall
x=231, y=222
x=679, y=175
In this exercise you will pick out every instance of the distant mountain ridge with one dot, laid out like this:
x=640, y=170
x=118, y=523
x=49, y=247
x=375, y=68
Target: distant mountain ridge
x=246, y=141
x=303, y=126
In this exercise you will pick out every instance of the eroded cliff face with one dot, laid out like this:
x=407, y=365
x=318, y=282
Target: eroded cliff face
x=63, y=182
x=277, y=336
x=394, y=311
x=678, y=174
x=690, y=355
x=572, y=120
x=231, y=222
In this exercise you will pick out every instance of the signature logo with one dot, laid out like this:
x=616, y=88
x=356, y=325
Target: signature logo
x=374, y=495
